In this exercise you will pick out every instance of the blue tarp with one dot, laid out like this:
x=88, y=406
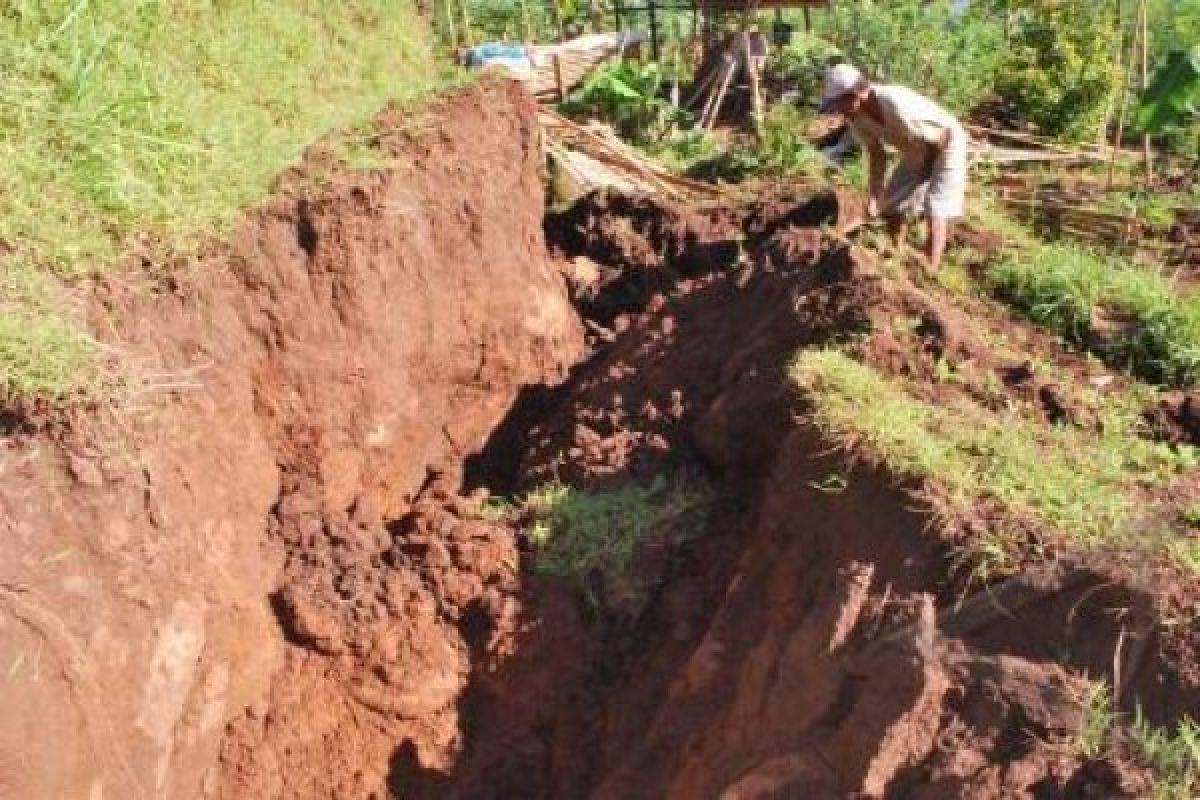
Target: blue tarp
x=497, y=52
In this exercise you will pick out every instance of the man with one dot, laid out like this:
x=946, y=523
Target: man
x=931, y=175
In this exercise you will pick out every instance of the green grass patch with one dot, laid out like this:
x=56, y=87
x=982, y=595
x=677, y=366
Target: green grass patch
x=120, y=118
x=594, y=537
x=1173, y=755
x=44, y=347
x=1068, y=482
x=1130, y=316
x=1096, y=721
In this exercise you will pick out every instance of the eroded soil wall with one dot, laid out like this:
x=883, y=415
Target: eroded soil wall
x=350, y=341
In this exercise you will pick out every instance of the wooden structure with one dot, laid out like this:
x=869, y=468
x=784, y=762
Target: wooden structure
x=625, y=10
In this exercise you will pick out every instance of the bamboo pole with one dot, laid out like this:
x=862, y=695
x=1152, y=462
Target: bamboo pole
x=755, y=93
x=1122, y=99
x=468, y=37
x=1145, y=84
x=1118, y=51
x=527, y=23
x=450, y=26
x=558, y=20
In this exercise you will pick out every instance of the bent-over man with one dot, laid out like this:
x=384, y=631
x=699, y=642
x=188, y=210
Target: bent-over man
x=931, y=173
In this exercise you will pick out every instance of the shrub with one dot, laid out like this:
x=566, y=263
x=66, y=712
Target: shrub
x=800, y=65
x=1059, y=71
x=950, y=54
x=626, y=94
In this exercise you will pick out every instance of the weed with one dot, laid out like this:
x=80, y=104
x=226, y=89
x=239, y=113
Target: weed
x=1097, y=720
x=1174, y=757
x=589, y=535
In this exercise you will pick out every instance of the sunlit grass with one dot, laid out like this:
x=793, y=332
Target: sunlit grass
x=1130, y=315
x=121, y=118
x=1076, y=484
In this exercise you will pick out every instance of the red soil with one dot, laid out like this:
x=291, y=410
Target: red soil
x=279, y=585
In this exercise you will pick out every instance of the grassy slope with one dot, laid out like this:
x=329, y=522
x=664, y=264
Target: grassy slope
x=125, y=117
x=1070, y=290
x=1081, y=485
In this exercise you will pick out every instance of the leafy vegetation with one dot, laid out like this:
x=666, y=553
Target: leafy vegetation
x=800, y=65
x=1174, y=756
x=782, y=150
x=120, y=119
x=1068, y=482
x=1059, y=70
x=1097, y=720
x=595, y=536
x=954, y=55
x=628, y=95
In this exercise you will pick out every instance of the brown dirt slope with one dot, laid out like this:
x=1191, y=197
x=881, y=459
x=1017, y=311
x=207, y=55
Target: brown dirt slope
x=347, y=341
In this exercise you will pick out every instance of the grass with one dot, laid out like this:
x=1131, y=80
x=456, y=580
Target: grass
x=587, y=535
x=44, y=348
x=1096, y=722
x=123, y=121
x=1174, y=756
x=1131, y=316
x=1075, y=484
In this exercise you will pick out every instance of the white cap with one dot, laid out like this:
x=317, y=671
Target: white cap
x=840, y=79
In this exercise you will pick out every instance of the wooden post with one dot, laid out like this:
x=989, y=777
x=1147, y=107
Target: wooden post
x=651, y=6
x=558, y=78
x=468, y=37
x=1145, y=15
x=807, y=20
x=1121, y=99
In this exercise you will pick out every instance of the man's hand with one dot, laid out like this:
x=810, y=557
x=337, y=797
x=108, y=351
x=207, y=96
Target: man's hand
x=872, y=208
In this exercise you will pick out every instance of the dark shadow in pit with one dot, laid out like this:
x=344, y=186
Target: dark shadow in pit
x=496, y=466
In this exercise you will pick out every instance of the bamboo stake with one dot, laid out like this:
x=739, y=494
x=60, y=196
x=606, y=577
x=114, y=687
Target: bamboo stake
x=719, y=96
x=526, y=21
x=1123, y=100
x=449, y=6
x=755, y=94
x=1118, y=51
x=558, y=20
x=468, y=38
x=1145, y=83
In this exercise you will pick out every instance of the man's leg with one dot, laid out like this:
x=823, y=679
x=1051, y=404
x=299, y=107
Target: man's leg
x=938, y=231
x=897, y=228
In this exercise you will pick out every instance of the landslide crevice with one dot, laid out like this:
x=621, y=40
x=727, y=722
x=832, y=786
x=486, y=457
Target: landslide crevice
x=810, y=644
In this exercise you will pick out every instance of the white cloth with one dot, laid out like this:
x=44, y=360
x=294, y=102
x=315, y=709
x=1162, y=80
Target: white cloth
x=912, y=122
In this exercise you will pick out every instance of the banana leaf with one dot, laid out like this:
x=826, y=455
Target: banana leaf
x=1173, y=97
